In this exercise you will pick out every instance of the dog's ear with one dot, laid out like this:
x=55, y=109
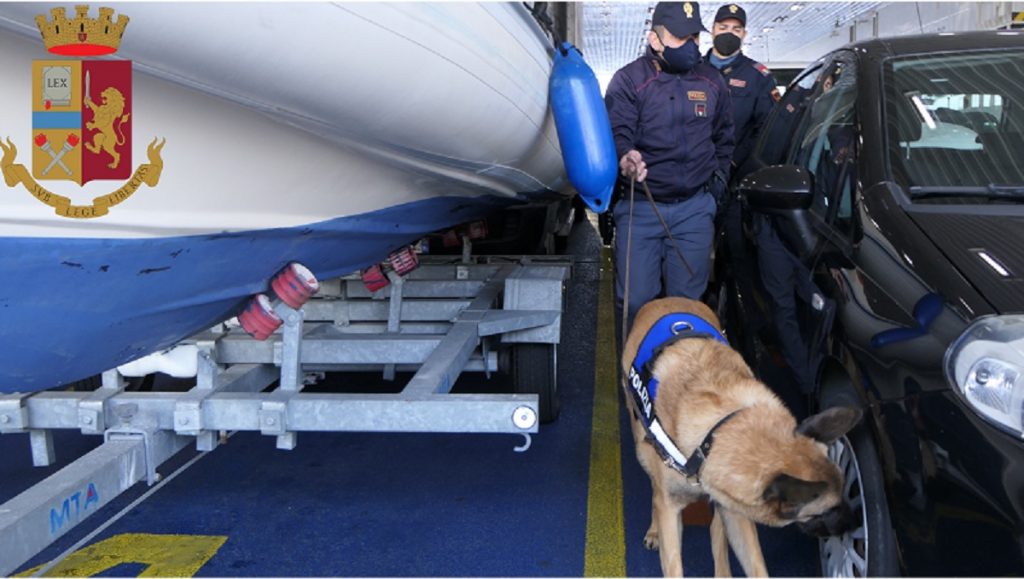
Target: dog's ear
x=792, y=493
x=828, y=425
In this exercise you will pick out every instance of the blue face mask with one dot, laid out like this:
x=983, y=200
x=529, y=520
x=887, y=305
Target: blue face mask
x=682, y=59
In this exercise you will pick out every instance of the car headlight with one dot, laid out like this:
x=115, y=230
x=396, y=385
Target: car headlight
x=986, y=366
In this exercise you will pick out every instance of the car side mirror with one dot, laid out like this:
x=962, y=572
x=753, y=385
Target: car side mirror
x=786, y=193
x=778, y=189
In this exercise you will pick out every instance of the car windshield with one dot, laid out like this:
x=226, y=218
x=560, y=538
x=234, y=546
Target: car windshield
x=955, y=123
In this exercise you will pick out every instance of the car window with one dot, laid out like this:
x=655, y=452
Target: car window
x=775, y=142
x=956, y=122
x=826, y=146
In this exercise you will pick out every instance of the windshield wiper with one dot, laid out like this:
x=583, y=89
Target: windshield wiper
x=990, y=191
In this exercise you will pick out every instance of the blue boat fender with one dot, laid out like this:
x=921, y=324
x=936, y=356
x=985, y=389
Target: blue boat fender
x=584, y=131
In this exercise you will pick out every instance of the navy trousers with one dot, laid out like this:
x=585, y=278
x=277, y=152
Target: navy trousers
x=785, y=278
x=655, y=266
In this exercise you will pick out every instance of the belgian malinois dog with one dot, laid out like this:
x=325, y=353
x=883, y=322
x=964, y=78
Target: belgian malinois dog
x=744, y=449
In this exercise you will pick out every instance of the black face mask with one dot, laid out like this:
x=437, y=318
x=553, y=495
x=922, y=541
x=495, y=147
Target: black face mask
x=727, y=43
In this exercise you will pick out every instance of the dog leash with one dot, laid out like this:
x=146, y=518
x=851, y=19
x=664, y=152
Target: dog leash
x=664, y=225
x=625, y=291
x=629, y=244
x=689, y=467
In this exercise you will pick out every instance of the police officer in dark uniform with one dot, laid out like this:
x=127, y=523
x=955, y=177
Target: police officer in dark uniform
x=671, y=119
x=786, y=279
x=754, y=93
x=752, y=86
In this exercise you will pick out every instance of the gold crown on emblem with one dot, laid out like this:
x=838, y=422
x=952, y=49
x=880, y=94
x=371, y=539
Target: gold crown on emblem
x=688, y=8
x=734, y=8
x=83, y=36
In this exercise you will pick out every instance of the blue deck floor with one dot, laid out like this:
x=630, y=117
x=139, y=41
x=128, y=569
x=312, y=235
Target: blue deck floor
x=394, y=504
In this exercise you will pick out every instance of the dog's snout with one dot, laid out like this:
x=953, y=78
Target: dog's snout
x=838, y=520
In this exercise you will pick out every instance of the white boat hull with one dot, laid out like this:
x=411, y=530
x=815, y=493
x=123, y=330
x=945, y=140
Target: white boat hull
x=279, y=115
x=328, y=134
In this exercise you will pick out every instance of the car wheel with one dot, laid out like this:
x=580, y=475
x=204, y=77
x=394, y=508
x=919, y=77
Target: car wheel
x=870, y=549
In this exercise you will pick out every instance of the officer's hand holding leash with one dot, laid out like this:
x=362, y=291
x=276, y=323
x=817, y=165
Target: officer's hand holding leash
x=632, y=165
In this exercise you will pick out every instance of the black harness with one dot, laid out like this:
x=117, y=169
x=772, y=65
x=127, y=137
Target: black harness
x=643, y=387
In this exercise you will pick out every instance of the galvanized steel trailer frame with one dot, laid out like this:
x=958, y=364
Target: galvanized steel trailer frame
x=442, y=319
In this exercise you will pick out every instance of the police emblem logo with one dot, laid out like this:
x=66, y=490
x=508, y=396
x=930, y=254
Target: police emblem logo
x=81, y=120
x=81, y=115
x=734, y=8
x=700, y=110
x=688, y=9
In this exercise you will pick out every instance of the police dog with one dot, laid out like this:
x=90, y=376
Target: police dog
x=761, y=467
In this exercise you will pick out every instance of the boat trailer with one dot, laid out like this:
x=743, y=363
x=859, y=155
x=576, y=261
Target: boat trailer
x=449, y=315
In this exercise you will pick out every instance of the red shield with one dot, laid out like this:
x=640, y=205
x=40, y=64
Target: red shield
x=106, y=118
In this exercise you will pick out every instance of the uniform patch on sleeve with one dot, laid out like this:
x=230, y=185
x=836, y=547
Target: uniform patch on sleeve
x=762, y=69
x=696, y=95
x=737, y=82
x=775, y=94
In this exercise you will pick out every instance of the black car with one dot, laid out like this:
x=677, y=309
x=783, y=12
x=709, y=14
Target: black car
x=894, y=170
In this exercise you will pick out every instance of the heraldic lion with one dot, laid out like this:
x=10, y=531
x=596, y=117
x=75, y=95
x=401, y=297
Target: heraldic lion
x=104, y=117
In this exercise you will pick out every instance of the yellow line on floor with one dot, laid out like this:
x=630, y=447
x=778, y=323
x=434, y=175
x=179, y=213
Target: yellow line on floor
x=606, y=545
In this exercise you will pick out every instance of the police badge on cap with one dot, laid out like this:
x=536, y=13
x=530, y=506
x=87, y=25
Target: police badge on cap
x=680, y=18
x=732, y=11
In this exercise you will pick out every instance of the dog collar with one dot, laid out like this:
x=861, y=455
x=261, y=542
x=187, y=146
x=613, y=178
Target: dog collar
x=700, y=454
x=643, y=387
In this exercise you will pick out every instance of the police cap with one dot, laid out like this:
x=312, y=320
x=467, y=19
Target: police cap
x=680, y=18
x=732, y=11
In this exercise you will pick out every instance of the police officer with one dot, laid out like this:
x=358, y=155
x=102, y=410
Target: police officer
x=671, y=119
x=754, y=93
x=786, y=279
x=751, y=84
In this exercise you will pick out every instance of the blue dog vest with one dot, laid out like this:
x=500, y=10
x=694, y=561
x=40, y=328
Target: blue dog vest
x=644, y=386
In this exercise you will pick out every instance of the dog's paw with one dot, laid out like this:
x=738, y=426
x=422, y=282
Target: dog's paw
x=651, y=540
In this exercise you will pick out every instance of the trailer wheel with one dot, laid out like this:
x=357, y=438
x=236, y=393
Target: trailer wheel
x=535, y=371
